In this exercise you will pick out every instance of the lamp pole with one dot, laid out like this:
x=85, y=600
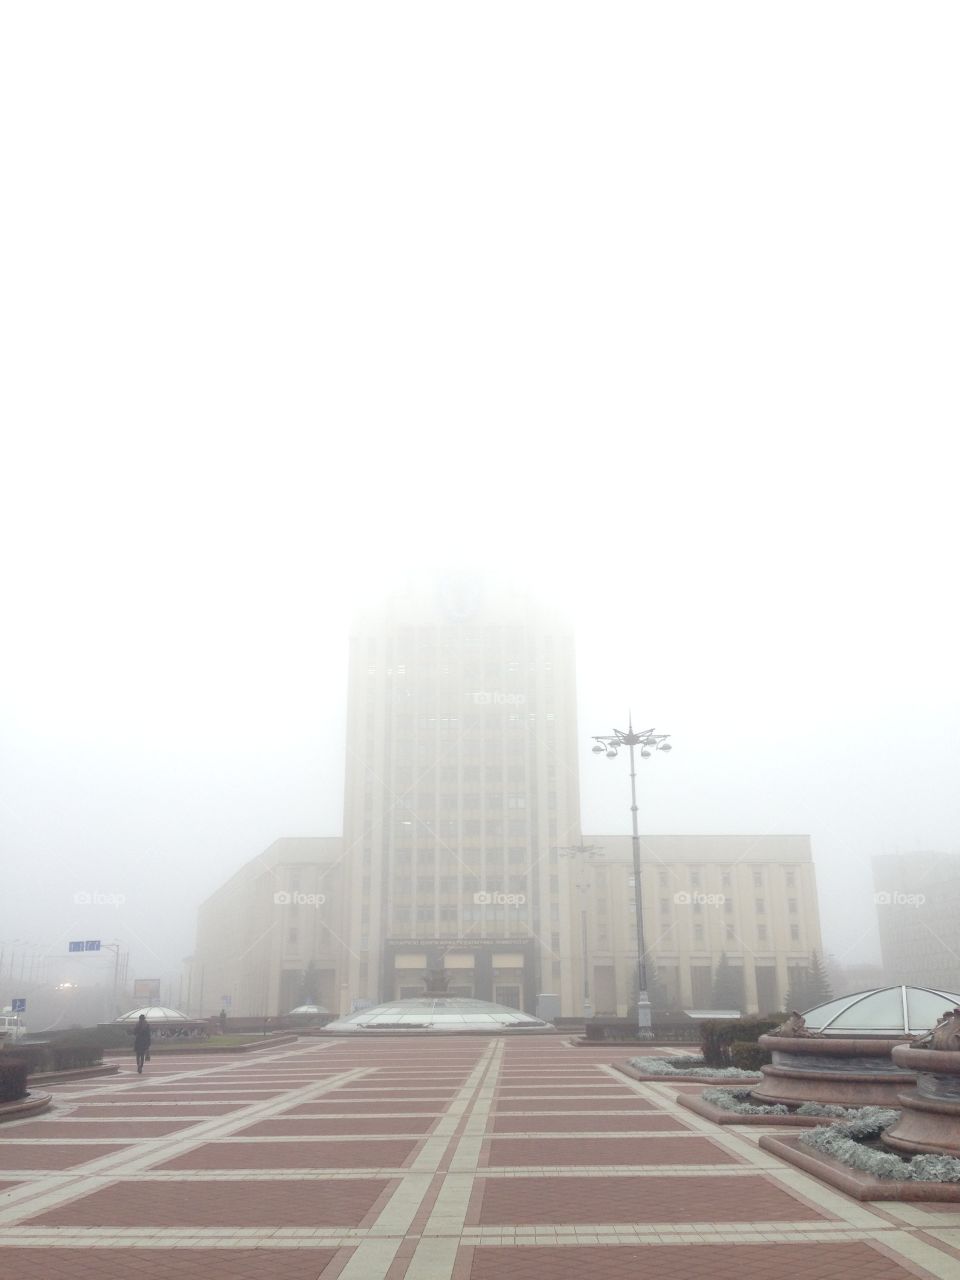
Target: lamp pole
x=609, y=745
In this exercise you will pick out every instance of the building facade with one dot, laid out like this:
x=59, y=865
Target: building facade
x=750, y=898
x=272, y=923
x=917, y=900
x=461, y=782
x=462, y=848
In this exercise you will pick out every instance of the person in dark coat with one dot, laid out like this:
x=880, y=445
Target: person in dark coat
x=141, y=1041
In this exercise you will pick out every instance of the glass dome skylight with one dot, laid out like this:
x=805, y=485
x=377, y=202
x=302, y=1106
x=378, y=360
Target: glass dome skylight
x=438, y=1014
x=153, y=1013
x=882, y=1011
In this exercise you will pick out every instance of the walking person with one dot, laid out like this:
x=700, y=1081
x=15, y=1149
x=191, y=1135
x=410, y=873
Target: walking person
x=141, y=1041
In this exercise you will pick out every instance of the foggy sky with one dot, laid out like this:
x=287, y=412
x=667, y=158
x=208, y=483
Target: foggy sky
x=655, y=306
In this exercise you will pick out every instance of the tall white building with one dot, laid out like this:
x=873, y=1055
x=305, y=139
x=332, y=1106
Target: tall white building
x=461, y=782
x=461, y=810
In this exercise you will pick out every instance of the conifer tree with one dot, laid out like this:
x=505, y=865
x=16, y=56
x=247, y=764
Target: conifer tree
x=818, y=987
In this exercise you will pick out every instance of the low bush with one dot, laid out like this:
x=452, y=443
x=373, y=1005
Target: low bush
x=667, y=1028
x=687, y=1066
x=105, y=1037
x=748, y=1056
x=846, y=1142
x=717, y=1036
x=42, y=1056
x=738, y=1100
x=13, y=1079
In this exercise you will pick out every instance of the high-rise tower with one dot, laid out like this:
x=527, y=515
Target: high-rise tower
x=461, y=784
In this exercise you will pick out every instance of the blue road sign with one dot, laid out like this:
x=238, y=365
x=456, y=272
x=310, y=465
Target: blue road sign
x=75, y=946
x=19, y=1004
x=92, y=946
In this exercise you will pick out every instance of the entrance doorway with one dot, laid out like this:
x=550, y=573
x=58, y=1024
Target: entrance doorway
x=507, y=993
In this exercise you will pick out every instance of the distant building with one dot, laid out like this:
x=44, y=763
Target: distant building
x=751, y=897
x=461, y=782
x=260, y=932
x=917, y=899
x=461, y=832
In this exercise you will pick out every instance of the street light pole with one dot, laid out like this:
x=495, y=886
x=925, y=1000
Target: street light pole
x=610, y=745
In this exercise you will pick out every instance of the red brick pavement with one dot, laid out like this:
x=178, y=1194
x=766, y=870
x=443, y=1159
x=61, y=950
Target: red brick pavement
x=410, y=1091
x=540, y=1103
x=333, y=1102
x=54, y=1128
x=305, y=1127
x=521, y=1152
x=213, y=1095
x=542, y=1201
x=692, y=1262
x=166, y=1264
x=513, y=1123
x=294, y=1155
x=117, y=1110
x=226, y=1204
x=565, y=1091
x=27, y=1156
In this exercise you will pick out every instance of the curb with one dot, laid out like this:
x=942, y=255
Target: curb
x=27, y=1106
x=75, y=1073
x=709, y=1112
x=854, y=1182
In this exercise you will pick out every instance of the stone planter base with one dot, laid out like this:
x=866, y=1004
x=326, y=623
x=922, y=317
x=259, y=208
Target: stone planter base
x=930, y=1114
x=694, y=1102
x=75, y=1073
x=846, y=1089
x=853, y=1182
x=846, y=1072
x=23, y=1107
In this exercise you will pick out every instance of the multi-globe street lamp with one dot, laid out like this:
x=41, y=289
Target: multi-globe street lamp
x=609, y=745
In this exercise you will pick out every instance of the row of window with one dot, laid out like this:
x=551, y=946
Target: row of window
x=672, y=877
x=466, y=800
x=667, y=905
x=495, y=828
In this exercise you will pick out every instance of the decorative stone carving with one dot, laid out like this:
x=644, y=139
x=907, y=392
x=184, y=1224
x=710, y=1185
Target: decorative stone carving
x=795, y=1025
x=945, y=1036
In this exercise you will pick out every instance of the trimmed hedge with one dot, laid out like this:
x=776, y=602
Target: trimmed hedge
x=42, y=1056
x=13, y=1081
x=105, y=1037
x=666, y=1029
x=748, y=1056
x=717, y=1037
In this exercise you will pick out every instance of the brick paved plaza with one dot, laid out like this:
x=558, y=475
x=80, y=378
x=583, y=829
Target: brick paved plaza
x=470, y=1158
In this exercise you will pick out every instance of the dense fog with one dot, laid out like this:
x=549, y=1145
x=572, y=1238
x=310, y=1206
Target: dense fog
x=297, y=306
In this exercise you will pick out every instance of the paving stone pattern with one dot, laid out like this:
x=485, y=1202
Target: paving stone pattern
x=471, y=1158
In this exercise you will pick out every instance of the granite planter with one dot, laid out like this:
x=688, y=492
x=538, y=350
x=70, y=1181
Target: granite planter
x=831, y=1069
x=930, y=1112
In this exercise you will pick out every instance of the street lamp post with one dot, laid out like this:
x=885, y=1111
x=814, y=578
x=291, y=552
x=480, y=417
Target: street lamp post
x=609, y=745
